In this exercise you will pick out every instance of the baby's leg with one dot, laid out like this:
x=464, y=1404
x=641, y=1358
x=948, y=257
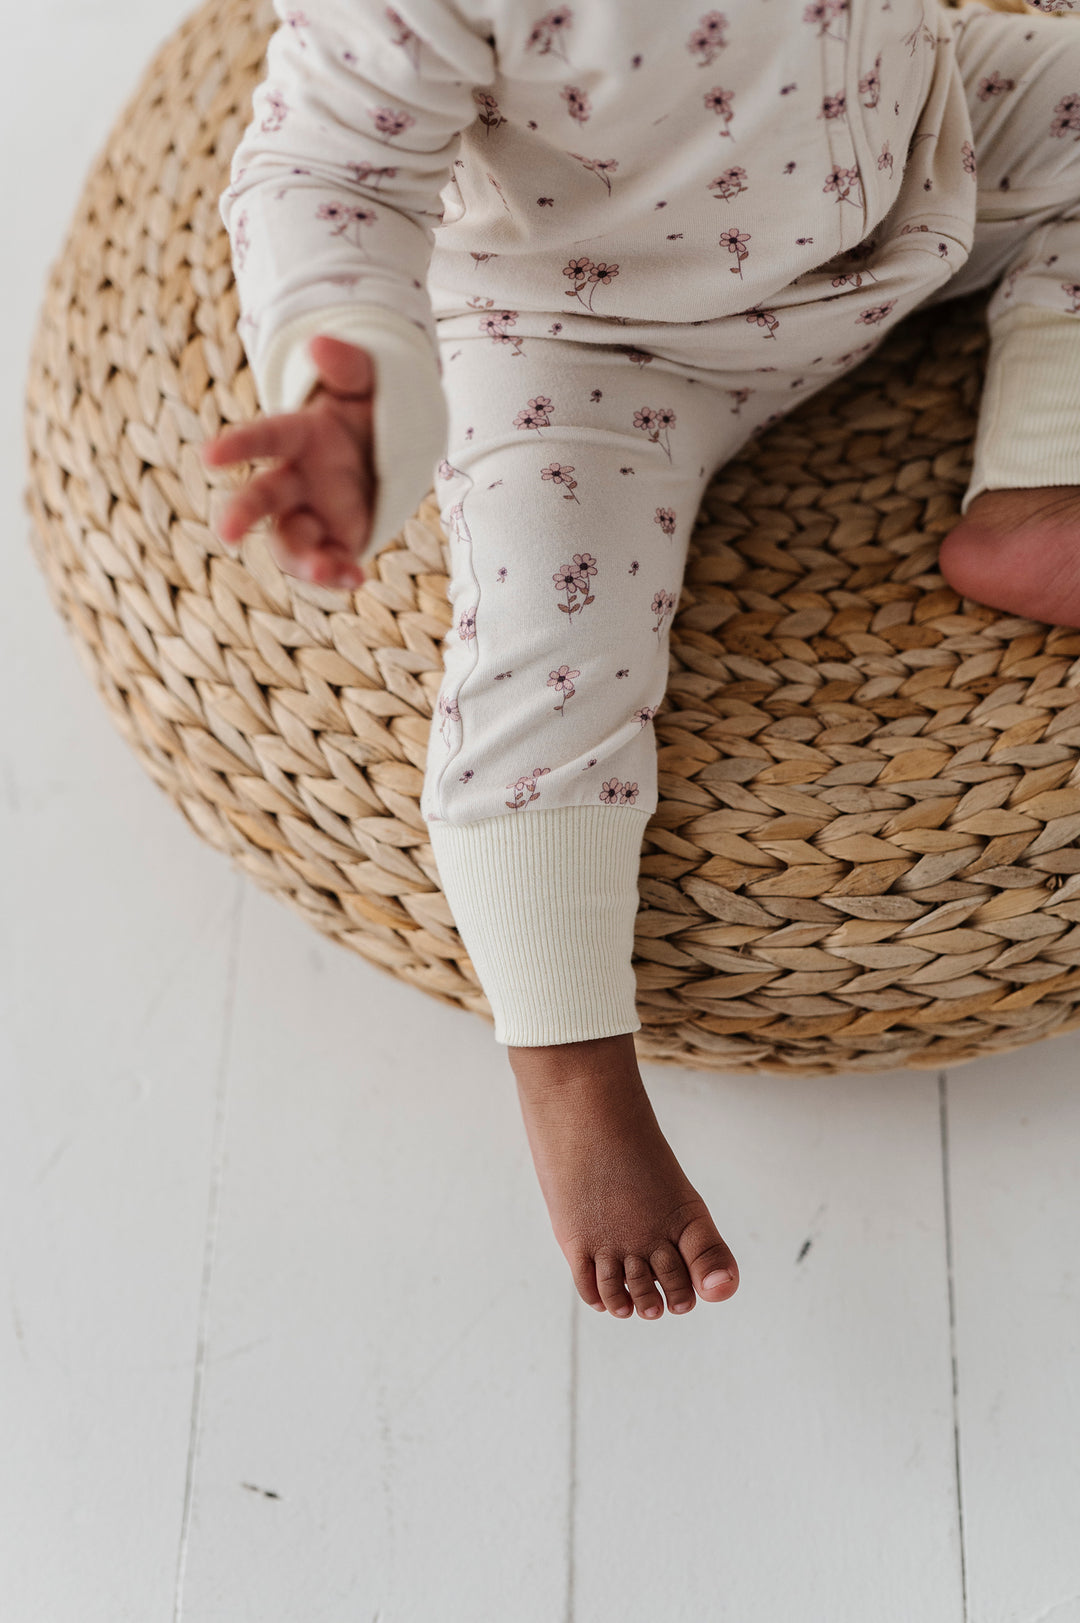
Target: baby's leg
x=571, y=484
x=1018, y=544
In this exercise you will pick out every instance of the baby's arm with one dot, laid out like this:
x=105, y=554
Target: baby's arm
x=335, y=195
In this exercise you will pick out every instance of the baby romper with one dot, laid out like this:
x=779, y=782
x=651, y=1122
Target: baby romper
x=600, y=255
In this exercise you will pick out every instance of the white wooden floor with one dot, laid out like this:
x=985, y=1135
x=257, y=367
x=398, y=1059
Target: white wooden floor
x=284, y=1334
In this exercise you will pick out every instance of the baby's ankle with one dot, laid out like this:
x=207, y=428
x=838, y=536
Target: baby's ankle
x=556, y=1065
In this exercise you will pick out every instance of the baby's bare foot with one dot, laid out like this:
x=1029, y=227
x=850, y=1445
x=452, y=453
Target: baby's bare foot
x=1019, y=550
x=623, y=1211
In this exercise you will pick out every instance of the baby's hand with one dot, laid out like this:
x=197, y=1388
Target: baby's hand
x=322, y=495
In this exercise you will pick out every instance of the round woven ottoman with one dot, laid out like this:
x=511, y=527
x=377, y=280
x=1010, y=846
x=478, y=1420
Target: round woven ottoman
x=864, y=855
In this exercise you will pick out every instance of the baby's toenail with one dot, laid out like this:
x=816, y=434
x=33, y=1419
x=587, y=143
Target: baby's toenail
x=718, y=1277
x=599, y=1306
x=681, y=1307
x=623, y=1311
x=651, y=1312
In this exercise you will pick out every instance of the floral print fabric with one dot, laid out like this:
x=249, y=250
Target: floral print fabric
x=634, y=243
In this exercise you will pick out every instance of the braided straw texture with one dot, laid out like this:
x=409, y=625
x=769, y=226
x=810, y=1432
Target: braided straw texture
x=864, y=854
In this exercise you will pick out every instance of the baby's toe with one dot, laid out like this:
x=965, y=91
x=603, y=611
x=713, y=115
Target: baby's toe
x=611, y=1280
x=581, y=1266
x=712, y=1267
x=673, y=1274
x=639, y=1282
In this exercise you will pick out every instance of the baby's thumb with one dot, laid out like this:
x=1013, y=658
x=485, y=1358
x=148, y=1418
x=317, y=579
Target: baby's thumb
x=343, y=367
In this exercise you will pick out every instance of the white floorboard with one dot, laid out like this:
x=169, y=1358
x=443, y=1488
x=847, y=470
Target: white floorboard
x=1014, y=1131
x=794, y=1446
x=284, y=1333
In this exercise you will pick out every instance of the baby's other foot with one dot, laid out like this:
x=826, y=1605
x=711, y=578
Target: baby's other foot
x=623, y=1211
x=1019, y=550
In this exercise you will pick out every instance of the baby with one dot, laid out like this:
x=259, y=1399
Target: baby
x=562, y=266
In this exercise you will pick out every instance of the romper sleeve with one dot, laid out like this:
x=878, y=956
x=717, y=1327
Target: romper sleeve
x=331, y=211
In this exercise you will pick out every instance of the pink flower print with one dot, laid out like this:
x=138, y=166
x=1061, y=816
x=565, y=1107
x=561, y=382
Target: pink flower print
x=967, y=158
x=585, y=274
x=502, y=675
x=1067, y=116
x=662, y=605
x=525, y=790
x=615, y=793
x=465, y=776
x=1072, y=289
x=535, y=414
x=345, y=215
x=549, y=34
x=622, y=673
x=719, y=101
x=389, y=122
x=665, y=517
x=708, y=37
x=640, y=357
x=466, y=626
x=604, y=167
x=854, y=277
x=740, y=397
x=241, y=241
x=729, y=184
x=870, y=84
x=834, y=106
x=765, y=318
x=870, y=318
x=843, y=182
x=820, y=13
x=366, y=174
x=920, y=35
x=500, y=574
x=994, y=85
x=634, y=567
x=561, y=681
x=559, y=474
x=276, y=109
x=577, y=102
x=405, y=37
x=446, y=470
x=734, y=240
x=656, y=421
x=489, y=114
x=448, y=710
x=590, y=762
x=496, y=323
x=645, y=714
x=573, y=579
x=596, y=395
x=885, y=158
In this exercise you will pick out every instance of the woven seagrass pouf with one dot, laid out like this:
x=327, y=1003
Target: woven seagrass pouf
x=864, y=854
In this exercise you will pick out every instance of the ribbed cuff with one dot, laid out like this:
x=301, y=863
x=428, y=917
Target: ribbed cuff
x=1029, y=417
x=545, y=903
x=409, y=419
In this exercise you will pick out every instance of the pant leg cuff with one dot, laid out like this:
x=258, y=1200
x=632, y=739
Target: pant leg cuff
x=1027, y=432
x=545, y=902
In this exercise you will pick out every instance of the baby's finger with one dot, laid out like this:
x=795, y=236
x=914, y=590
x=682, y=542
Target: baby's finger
x=301, y=548
x=281, y=435
x=281, y=490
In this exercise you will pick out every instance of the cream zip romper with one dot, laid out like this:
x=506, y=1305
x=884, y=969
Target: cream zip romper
x=592, y=251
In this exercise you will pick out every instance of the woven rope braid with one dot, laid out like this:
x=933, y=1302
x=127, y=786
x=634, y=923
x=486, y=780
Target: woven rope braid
x=865, y=853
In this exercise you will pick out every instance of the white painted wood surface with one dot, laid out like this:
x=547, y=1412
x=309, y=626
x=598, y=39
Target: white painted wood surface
x=284, y=1332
